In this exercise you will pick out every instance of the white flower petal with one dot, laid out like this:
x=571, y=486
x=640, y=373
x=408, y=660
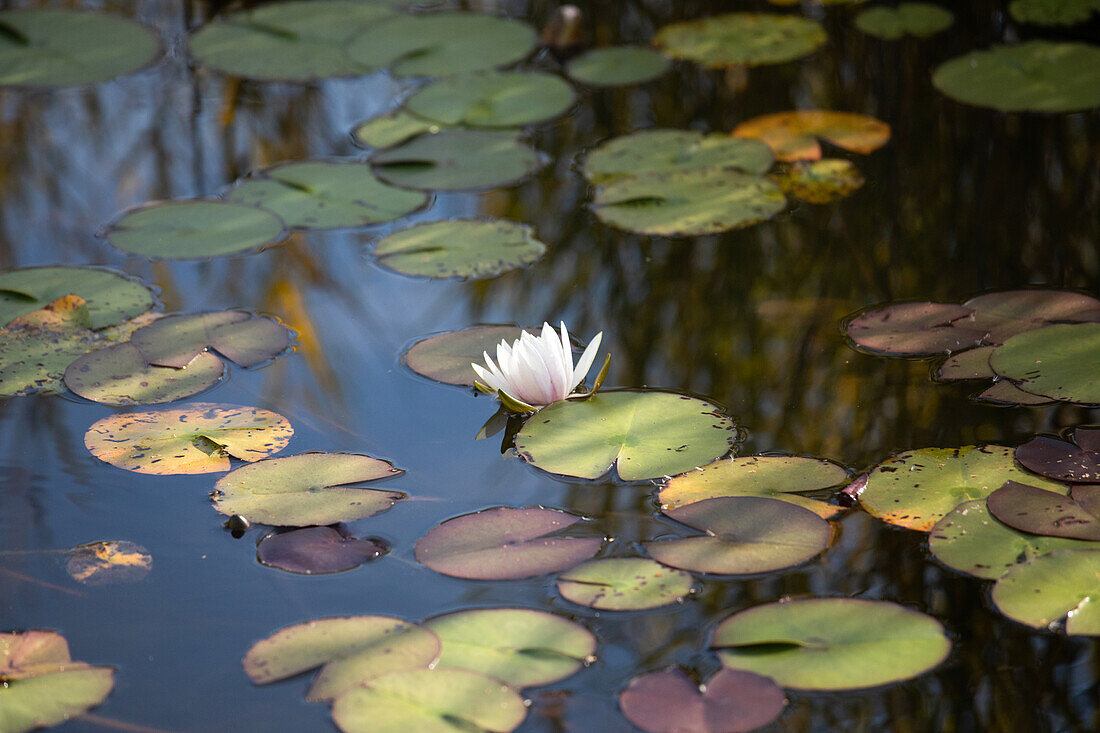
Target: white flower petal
x=585, y=362
x=567, y=356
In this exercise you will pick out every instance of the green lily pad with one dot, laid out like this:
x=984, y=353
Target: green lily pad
x=457, y=160
x=36, y=348
x=912, y=329
x=1060, y=585
x=969, y=364
x=732, y=702
x=617, y=66
x=306, y=489
x=918, y=488
x=1036, y=76
x=794, y=135
x=1056, y=361
x=624, y=584
x=443, y=44
x=393, y=128
x=108, y=562
x=914, y=19
x=831, y=643
x=110, y=296
x=180, y=230
x=1006, y=313
x=119, y=375
x=819, y=181
x=643, y=435
x=244, y=338
x=520, y=646
x=57, y=48
x=197, y=439
x=446, y=357
x=673, y=151
x=776, y=477
x=348, y=649
x=752, y=39
x=42, y=685
x=972, y=541
x=288, y=41
x=430, y=701
x=460, y=248
x=325, y=195
x=1040, y=512
x=493, y=99
x=1053, y=12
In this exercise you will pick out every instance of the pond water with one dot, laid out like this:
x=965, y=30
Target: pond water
x=962, y=200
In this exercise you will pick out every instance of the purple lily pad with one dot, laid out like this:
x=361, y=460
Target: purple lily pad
x=1004, y=392
x=317, y=550
x=1042, y=512
x=244, y=338
x=913, y=329
x=1003, y=315
x=669, y=702
x=1061, y=460
x=969, y=364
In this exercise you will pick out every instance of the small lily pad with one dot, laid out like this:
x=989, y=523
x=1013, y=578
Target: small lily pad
x=1060, y=585
x=107, y=563
x=794, y=135
x=1056, y=361
x=617, y=66
x=317, y=550
x=446, y=357
x=393, y=128
x=912, y=329
x=1040, y=512
x=197, y=439
x=1006, y=313
x=1053, y=12
x=624, y=584
x=819, y=181
x=673, y=151
x=969, y=364
x=119, y=375
x=460, y=248
x=493, y=99
x=921, y=20
x=457, y=160
x=751, y=39
x=244, y=338
x=670, y=702
x=180, y=230
x=1004, y=392
x=36, y=348
x=1060, y=460
x=110, y=296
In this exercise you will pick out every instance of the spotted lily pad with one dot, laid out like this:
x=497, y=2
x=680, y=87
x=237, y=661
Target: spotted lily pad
x=831, y=643
x=1006, y=313
x=794, y=135
x=197, y=439
x=460, y=248
x=624, y=584
x=520, y=646
x=191, y=229
x=36, y=348
x=617, y=66
x=110, y=296
x=673, y=151
x=393, y=128
x=317, y=550
x=1060, y=585
x=109, y=562
x=244, y=338
x=493, y=99
x=643, y=435
x=819, y=181
x=325, y=194
x=732, y=702
x=57, y=48
x=457, y=160
x=1040, y=512
x=446, y=357
x=1053, y=12
x=1056, y=361
x=969, y=364
x=348, y=649
x=119, y=375
x=913, y=19
x=752, y=39
x=912, y=329
x=1060, y=460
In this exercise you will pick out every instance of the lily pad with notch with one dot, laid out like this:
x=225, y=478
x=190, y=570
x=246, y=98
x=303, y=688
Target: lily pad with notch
x=912, y=329
x=110, y=296
x=920, y=20
x=733, y=39
x=108, y=562
x=458, y=160
x=318, y=550
x=119, y=375
x=794, y=135
x=1045, y=513
x=819, y=181
x=505, y=99
x=1004, y=392
x=1060, y=585
x=673, y=151
x=1061, y=460
x=190, y=229
x=392, y=128
x=446, y=357
x=624, y=584
x=244, y=338
x=1006, y=313
x=1057, y=361
x=732, y=701
x=471, y=248
x=617, y=66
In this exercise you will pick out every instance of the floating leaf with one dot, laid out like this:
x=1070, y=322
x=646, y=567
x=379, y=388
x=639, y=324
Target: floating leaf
x=325, y=194
x=1054, y=361
x=744, y=535
x=1004, y=392
x=447, y=357
x=35, y=348
x=820, y=181
x=521, y=646
x=831, y=643
x=119, y=376
x=391, y=129
x=68, y=47
x=794, y=135
x=493, y=99
x=917, y=488
x=1036, y=76
x=317, y=550
x=1060, y=585
x=617, y=66
x=912, y=329
x=969, y=364
x=460, y=248
x=914, y=19
x=109, y=562
x=244, y=338
x=643, y=435
x=1046, y=513
x=1053, y=12
x=504, y=544
x=670, y=702
x=306, y=489
x=110, y=296
x=191, y=229
x=1004, y=314
x=352, y=649
x=752, y=39
x=457, y=160
x=197, y=439
x=1060, y=460
x=673, y=151
x=623, y=584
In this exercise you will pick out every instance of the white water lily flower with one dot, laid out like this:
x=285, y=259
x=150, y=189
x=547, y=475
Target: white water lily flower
x=535, y=371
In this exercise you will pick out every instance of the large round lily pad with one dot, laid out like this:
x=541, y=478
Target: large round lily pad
x=392, y=128
x=191, y=229
x=317, y=550
x=108, y=562
x=917, y=488
x=624, y=584
x=1061, y=460
x=913, y=19
x=744, y=535
x=1005, y=313
x=505, y=544
x=752, y=39
x=831, y=643
x=325, y=194
x=1060, y=585
x=643, y=435
x=794, y=135
x=446, y=357
x=110, y=296
x=670, y=702
x=197, y=439
x=520, y=646
x=617, y=66
x=1036, y=76
x=493, y=99
x=912, y=329
x=244, y=338
x=306, y=489
x=36, y=348
x=68, y=47
x=1056, y=361
x=673, y=151
x=457, y=160
x=1040, y=512
x=460, y=248
x=119, y=375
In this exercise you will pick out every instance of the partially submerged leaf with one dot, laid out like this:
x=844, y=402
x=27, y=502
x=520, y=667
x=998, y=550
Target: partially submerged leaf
x=1060, y=585
x=35, y=348
x=819, y=181
x=317, y=550
x=460, y=248
x=108, y=562
x=624, y=584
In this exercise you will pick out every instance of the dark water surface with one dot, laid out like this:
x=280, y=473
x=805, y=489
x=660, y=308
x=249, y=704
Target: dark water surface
x=961, y=201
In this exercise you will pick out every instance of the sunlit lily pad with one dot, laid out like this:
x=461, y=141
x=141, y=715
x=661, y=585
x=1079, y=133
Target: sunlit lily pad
x=68, y=47
x=460, y=248
x=493, y=99
x=752, y=39
x=119, y=375
x=794, y=135
x=624, y=584
x=1006, y=313
x=349, y=650
x=431, y=701
x=306, y=489
x=197, y=439
x=109, y=562
x=1053, y=12
x=913, y=19
x=393, y=128
x=443, y=44
x=521, y=646
x=1040, y=512
x=505, y=544
x=191, y=229
x=670, y=702
x=1061, y=460
x=617, y=66
x=969, y=364
x=1036, y=76
x=831, y=643
x=744, y=535
x=777, y=477
x=458, y=160
x=1060, y=585
x=917, y=488
x=244, y=338
x=643, y=435
x=36, y=348
x=317, y=550
x=42, y=685
x=110, y=296
x=325, y=194
x=673, y=151
x=819, y=181
x=446, y=357
x=1056, y=361
x=912, y=329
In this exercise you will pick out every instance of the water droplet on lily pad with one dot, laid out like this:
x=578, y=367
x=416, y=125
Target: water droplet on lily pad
x=624, y=584
x=1046, y=589
x=110, y=296
x=914, y=19
x=318, y=550
x=1060, y=460
x=617, y=66
x=189, y=229
x=794, y=135
x=457, y=160
x=493, y=99
x=752, y=39
x=733, y=701
x=108, y=562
